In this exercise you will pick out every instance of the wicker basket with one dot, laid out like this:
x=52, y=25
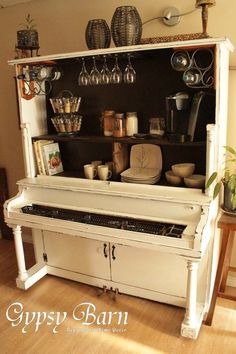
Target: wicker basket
x=126, y=26
x=66, y=124
x=97, y=34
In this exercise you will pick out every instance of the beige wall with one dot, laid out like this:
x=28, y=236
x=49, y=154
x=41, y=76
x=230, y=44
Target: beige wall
x=61, y=25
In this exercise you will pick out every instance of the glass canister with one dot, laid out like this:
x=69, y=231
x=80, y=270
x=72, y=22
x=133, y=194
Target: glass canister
x=157, y=127
x=119, y=125
x=108, y=122
x=131, y=123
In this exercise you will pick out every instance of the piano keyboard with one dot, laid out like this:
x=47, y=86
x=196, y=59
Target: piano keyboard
x=116, y=222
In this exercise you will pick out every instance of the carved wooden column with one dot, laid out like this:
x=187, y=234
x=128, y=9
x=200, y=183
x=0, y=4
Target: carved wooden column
x=22, y=273
x=191, y=301
x=191, y=325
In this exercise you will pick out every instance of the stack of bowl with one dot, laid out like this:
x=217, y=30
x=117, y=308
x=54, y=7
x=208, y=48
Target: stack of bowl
x=183, y=172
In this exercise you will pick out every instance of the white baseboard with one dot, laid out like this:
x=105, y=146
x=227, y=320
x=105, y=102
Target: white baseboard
x=231, y=281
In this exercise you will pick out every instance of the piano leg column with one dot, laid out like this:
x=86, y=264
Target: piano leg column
x=22, y=272
x=193, y=319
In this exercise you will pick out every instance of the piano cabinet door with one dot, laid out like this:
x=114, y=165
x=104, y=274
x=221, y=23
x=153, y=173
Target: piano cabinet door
x=147, y=269
x=77, y=254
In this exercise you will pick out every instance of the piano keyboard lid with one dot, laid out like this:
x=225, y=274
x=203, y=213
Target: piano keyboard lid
x=158, y=192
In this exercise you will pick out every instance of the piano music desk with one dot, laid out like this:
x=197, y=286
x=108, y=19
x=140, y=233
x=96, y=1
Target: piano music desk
x=227, y=224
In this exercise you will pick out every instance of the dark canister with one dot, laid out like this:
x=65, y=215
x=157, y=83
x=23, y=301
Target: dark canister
x=97, y=34
x=126, y=26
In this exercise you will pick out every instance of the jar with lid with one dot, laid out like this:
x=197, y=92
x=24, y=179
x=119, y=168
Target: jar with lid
x=108, y=122
x=157, y=127
x=119, y=125
x=131, y=123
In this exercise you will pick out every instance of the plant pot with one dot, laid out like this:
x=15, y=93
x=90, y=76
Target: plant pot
x=27, y=39
x=228, y=197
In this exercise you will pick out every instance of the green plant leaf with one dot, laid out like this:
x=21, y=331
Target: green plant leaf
x=217, y=190
x=211, y=179
x=28, y=25
x=233, y=201
x=226, y=175
x=230, y=149
x=232, y=182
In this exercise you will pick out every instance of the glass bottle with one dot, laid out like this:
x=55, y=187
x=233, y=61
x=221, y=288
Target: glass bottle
x=131, y=123
x=119, y=125
x=108, y=122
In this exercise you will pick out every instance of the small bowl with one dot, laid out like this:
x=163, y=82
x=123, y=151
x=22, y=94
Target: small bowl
x=173, y=179
x=195, y=181
x=183, y=169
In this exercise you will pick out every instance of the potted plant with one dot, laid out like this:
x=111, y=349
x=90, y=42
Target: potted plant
x=227, y=180
x=27, y=38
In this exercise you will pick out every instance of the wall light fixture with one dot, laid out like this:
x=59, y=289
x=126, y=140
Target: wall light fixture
x=171, y=15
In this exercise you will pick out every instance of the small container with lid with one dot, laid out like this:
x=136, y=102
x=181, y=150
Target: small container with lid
x=119, y=125
x=131, y=123
x=108, y=122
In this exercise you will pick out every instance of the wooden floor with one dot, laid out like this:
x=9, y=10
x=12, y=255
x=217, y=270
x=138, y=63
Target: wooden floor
x=152, y=327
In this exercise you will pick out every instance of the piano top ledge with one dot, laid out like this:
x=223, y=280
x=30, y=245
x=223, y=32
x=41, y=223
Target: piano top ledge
x=154, y=192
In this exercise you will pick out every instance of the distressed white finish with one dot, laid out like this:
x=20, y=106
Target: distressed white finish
x=171, y=270
x=22, y=273
x=190, y=322
x=221, y=42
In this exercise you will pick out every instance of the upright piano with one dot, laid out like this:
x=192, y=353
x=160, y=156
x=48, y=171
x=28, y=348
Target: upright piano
x=136, y=239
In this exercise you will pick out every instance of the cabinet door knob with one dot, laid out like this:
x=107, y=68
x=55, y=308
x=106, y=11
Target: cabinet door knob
x=113, y=252
x=105, y=250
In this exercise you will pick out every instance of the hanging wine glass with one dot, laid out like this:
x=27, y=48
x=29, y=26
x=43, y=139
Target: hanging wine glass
x=105, y=73
x=116, y=73
x=95, y=75
x=130, y=73
x=84, y=77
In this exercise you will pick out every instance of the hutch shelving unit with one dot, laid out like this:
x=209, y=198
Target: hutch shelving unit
x=174, y=270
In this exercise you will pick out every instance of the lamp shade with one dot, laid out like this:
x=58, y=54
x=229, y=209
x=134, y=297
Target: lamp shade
x=200, y=3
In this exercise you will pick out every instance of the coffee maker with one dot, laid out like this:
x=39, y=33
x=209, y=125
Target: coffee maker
x=187, y=117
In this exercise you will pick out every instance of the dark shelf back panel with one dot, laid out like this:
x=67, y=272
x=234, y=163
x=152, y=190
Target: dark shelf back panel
x=156, y=79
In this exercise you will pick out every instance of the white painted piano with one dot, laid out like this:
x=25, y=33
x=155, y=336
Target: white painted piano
x=153, y=241
x=142, y=240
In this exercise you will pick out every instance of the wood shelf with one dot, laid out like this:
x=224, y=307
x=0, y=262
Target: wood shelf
x=125, y=140
x=117, y=178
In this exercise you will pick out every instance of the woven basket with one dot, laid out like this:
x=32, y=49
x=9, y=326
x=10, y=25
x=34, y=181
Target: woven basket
x=97, y=34
x=126, y=26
